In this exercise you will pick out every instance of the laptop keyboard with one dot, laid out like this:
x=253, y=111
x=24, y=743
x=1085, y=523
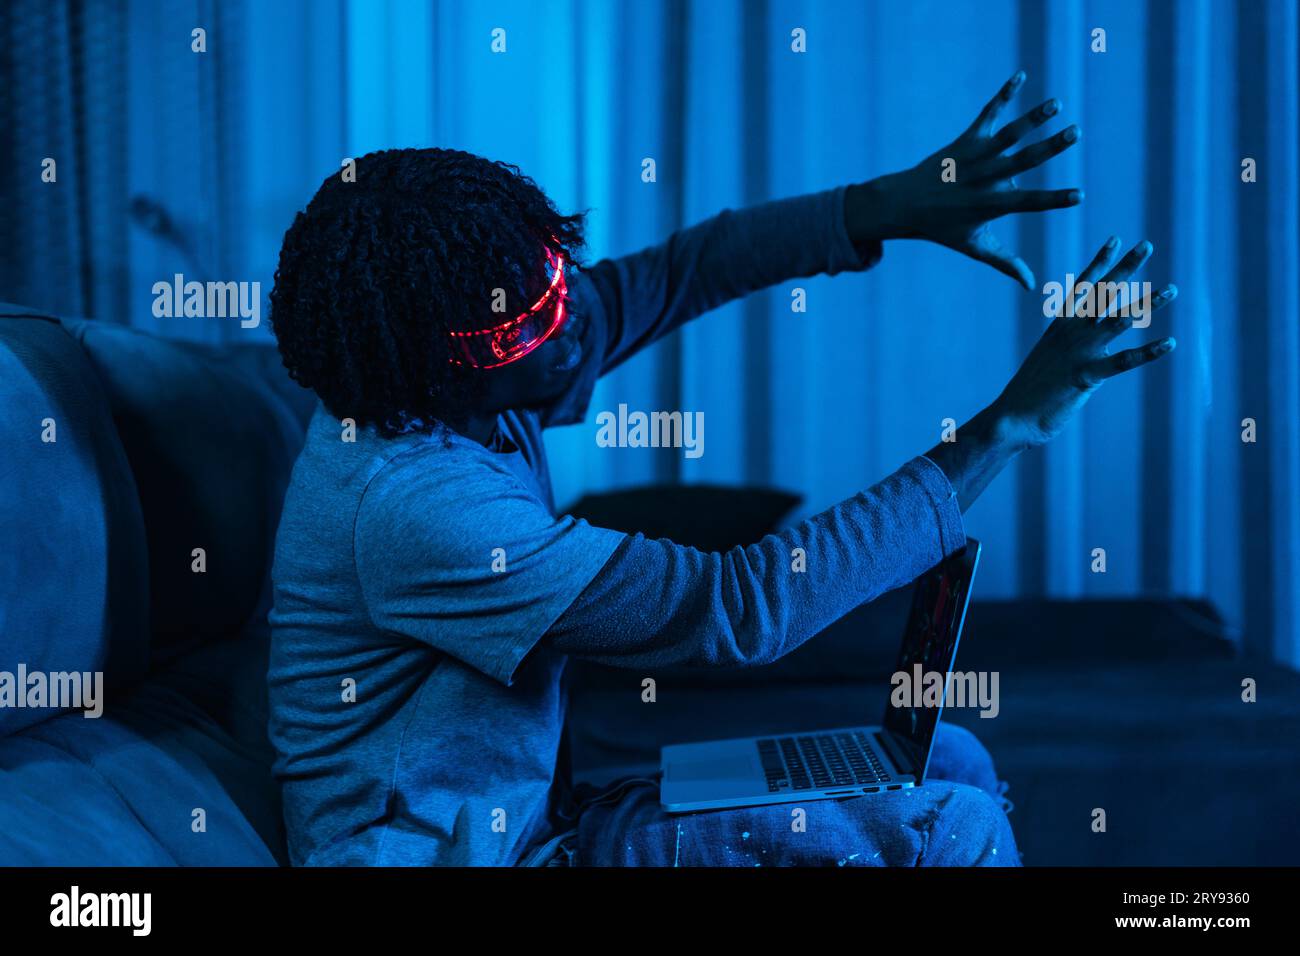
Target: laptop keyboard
x=818, y=761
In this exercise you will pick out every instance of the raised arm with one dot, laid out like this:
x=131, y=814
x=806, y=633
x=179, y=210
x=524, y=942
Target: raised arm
x=490, y=572
x=650, y=293
x=654, y=603
x=657, y=604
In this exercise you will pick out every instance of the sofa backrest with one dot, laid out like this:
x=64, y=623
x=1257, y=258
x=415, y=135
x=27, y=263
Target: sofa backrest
x=73, y=560
x=147, y=527
x=210, y=447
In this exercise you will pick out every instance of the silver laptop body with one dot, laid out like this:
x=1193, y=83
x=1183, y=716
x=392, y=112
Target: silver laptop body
x=846, y=761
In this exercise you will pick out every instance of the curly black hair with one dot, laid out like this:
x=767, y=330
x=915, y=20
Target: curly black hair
x=374, y=273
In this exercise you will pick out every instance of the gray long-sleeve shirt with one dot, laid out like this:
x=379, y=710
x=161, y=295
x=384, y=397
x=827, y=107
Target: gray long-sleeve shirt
x=426, y=595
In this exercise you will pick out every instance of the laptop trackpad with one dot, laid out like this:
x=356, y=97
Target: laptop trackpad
x=697, y=771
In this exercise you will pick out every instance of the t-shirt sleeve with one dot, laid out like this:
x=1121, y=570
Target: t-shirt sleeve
x=459, y=555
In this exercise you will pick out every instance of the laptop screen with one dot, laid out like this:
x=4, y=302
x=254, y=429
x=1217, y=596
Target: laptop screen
x=939, y=599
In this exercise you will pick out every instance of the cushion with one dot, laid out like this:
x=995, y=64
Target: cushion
x=55, y=810
x=211, y=446
x=262, y=360
x=72, y=546
x=122, y=789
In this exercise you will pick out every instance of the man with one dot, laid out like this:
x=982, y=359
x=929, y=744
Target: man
x=427, y=596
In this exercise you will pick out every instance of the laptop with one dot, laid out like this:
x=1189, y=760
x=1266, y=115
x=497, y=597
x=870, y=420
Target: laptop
x=847, y=761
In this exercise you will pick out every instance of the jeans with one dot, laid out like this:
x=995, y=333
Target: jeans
x=958, y=818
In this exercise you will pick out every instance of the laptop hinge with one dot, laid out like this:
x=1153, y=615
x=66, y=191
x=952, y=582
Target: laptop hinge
x=896, y=753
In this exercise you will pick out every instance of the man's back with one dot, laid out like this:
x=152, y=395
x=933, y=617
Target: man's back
x=424, y=746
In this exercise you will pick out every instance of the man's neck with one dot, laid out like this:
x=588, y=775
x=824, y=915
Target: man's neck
x=481, y=428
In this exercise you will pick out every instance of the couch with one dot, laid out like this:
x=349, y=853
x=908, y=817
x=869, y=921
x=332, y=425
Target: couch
x=159, y=448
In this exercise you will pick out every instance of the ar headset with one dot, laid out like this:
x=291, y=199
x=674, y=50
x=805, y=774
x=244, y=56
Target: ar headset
x=512, y=340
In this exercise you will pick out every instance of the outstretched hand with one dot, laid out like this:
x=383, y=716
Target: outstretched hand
x=1074, y=357
x=951, y=196
x=1069, y=363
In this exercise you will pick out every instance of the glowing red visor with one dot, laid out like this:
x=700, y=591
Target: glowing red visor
x=512, y=340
